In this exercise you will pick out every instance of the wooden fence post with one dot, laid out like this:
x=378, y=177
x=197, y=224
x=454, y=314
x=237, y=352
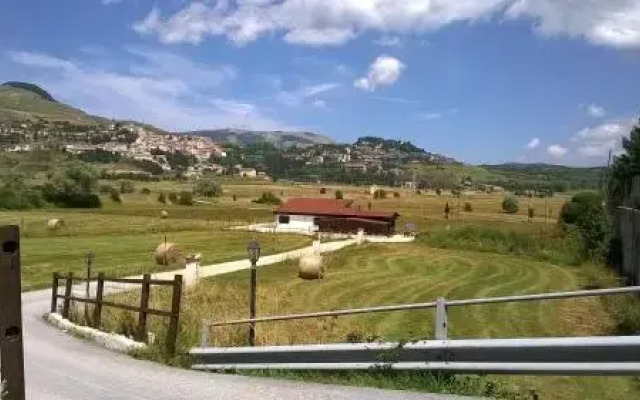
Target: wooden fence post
x=97, y=310
x=54, y=293
x=144, y=308
x=172, y=334
x=11, y=347
x=67, y=295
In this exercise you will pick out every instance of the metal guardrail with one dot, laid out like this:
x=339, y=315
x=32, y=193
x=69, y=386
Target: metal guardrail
x=551, y=356
x=440, y=304
x=554, y=356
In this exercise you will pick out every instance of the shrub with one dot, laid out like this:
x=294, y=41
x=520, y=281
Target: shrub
x=418, y=192
x=173, y=198
x=396, y=195
x=268, y=198
x=145, y=191
x=510, y=205
x=20, y=199
x=185, y=198
x=339, y=195
x=323, y=190
x=447, y=210
x=162, y=198
x=586, y=213
x=438, y=191
x=126, y=187
x=115, y=195
x=468, y=207
x=234, y=197
x=208, y=188
x=531, y=213
x=369, y=206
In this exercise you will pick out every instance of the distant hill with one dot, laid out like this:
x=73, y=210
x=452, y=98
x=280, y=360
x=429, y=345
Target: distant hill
x=26, y=101
x=279, y=139
x=540, y=173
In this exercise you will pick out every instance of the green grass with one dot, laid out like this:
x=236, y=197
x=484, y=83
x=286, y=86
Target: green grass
x=119, y=255
x=551, y=244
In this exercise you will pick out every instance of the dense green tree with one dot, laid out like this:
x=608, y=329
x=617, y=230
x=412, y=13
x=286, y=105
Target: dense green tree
x=73, y=187
x=208, y=187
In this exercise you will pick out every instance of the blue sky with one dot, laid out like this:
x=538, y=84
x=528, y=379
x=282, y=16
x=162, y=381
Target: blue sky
x=484, y=81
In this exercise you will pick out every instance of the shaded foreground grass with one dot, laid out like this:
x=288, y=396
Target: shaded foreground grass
x=386, y=274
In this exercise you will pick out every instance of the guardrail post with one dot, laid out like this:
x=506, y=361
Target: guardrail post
x=172, y=334
x=144, y=308
x=441, y=319
x=67, y=296
x=11, y=347
x=204, y=333
x=97, y=310
x=54, y=293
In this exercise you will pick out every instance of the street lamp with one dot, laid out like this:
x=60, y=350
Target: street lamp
x=90, y=256
x=254, y=254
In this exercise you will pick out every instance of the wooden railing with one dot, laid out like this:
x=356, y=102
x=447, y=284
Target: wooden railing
x=143, y=310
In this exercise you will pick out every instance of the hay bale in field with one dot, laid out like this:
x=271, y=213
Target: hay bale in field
x=54, y=224
x=164, y=214
x=169, y=254
x=311, y=267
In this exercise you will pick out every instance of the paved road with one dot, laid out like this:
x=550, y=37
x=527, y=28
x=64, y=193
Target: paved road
x=61, y=367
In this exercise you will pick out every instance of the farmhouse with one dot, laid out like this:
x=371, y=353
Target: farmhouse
x=329, y=215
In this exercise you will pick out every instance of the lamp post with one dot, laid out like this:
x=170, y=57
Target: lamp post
x=90, y=256
x=254, y=254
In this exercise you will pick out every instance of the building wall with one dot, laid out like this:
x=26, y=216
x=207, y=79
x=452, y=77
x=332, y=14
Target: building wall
x=301, y=222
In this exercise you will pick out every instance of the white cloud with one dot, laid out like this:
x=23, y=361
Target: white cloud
x=388, y=41
x=596, y=141
x=595, y=111
x=109, y=2
x=160, y=88
x=533, y=143
x=556, y=151
x=613, y=23
x=384, y=71
x=432, y=116
x=320, y=104
x=333, y=22
x=400, y=100
x=295, y=98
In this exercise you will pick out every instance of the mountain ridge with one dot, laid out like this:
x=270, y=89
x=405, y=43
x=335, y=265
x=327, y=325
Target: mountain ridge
x=247, y=137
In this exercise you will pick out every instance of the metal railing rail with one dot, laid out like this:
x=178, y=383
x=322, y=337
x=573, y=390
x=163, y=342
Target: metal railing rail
x=440, y=304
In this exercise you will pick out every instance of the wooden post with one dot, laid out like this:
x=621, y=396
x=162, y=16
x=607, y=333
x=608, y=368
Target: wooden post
x=172, y=334
x=97, y=310
x=67, y=296
x=54, y=293
x=252, y=303
x=11, y=347
x=144, y=308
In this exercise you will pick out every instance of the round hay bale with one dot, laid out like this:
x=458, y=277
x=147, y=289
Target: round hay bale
x=169, y=254
x=164, y=214
x=311, y=267
x=54, y=224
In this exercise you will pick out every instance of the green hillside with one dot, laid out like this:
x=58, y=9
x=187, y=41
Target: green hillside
x=21, y=101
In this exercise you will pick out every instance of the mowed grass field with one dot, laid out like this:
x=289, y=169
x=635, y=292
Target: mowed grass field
x=404, y=273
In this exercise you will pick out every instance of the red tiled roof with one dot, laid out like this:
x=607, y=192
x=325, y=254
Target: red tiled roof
x=329, y=207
